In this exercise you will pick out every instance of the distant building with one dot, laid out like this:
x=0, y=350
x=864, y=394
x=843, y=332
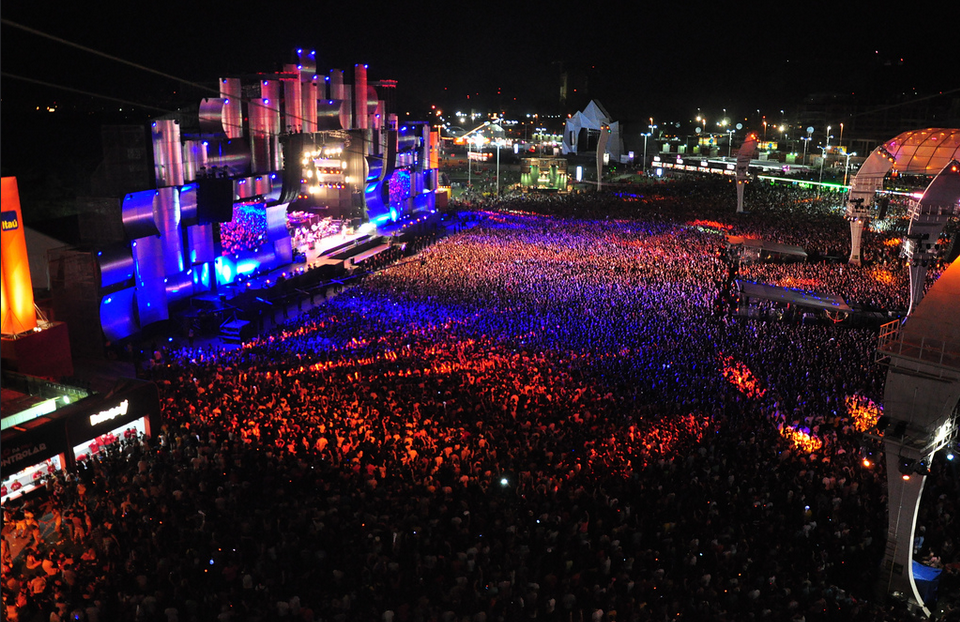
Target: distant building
x=869, y=121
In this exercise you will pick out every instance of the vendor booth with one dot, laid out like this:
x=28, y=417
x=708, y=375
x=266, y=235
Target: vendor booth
x=39, y=441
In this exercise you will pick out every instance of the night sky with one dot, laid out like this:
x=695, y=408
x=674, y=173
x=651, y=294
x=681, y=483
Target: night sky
x=664, y=60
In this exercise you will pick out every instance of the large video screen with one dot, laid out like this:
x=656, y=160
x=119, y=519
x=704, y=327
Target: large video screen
x=247, y=230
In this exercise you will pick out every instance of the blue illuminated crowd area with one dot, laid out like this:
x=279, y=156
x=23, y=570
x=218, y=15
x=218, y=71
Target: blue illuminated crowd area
x=541, y=416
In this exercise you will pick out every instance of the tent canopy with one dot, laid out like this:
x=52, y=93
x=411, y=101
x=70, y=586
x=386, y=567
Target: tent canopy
x=594, y=117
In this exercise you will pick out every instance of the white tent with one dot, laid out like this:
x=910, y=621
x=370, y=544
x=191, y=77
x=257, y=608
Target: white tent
x=592, y=118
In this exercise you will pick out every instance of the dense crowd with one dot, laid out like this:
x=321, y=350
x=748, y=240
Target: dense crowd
x=538, y=417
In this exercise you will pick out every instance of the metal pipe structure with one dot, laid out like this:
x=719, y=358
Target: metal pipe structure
x=292, y=99
x=167, y=154
x=309, y=91
x=361, y=114
x=231, y=92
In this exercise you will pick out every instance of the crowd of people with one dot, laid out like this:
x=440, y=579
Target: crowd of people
x=538, y=417
x=246, y=231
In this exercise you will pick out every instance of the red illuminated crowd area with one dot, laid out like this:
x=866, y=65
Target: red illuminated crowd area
x=540, y=416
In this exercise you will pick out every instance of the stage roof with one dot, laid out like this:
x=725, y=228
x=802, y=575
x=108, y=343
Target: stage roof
x=924, y=152
x=799, y=297
x=935, y=321
x=764, y=245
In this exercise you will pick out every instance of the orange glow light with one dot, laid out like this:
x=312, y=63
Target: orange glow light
x=713, y=224
x=801, y=440
x=798, y=282
x=884, y=277
x=741, y=377
x=863, y=411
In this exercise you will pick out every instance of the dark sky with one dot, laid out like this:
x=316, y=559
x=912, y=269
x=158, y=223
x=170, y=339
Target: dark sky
x=640, y=59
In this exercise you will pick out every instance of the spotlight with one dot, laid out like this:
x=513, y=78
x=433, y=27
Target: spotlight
x=906, y=467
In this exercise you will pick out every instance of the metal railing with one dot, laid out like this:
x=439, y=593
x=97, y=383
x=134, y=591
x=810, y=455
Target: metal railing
x=927, y=351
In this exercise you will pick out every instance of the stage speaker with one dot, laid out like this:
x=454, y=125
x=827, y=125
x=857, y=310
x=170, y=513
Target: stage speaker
x=884, y=203
x=389, y=155
x=214, y=201
x=293, y=145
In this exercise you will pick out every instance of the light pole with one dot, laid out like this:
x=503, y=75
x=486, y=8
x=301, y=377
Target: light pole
x=846, y=166
x=702, y=132
x=479, y=140
x=651, y=127
x=823, y=156
x=729, y=140
x=499, y=144
x=643, y=165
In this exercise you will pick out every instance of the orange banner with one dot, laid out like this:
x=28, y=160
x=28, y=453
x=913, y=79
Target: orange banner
x=17, y=295
x=434, y=150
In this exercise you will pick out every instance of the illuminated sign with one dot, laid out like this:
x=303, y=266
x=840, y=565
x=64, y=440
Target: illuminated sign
x=25, y=453
x=11, y=220
x=111, y=413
